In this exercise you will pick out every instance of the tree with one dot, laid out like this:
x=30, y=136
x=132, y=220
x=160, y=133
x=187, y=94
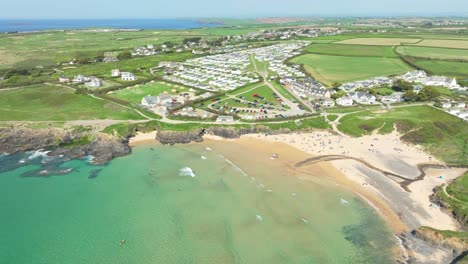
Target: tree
x=402, y=86
x=336, y=85
x=428, y=93
x=169, y=44
x=124, y=55
x=410, y=96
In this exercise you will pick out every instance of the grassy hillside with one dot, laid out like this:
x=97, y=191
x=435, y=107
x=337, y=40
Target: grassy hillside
x=443, y=135
x=55, y=103
x=329, y=69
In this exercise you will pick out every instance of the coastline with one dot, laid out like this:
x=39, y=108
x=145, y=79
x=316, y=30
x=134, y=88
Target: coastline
x=402, y=210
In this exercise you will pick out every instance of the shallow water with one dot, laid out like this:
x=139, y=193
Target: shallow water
x=180, y=204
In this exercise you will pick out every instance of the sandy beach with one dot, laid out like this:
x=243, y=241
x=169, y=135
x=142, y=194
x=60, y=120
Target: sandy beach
x=386, y=152
x=402, y=209
x=143, y=138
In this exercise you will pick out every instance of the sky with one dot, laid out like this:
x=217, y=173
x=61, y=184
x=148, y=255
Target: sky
x=226, y=8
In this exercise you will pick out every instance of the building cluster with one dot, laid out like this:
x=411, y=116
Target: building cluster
x=307, y=88
x=384, y=24
x=369, y=83
x=89, y=81
x=147, y=50
x=422, y=78
x=277, y=54
x=458, y=109
x=447, y=23
x=126, y=76
x=231, y=70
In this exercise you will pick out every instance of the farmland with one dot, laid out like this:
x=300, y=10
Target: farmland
x=378, y=41
x=444, y=43
x=352, y=50
x=433, y=53
x=54, y=103
x=329, y=69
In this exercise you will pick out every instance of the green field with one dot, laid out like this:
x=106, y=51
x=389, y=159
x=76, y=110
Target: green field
x=263, y=91
x=134, y=94
x=379, y=41
x=53, y=103
x=433, y=53
x=352, y=50
x=443, y=135
x=329, y=69
x=439, y=67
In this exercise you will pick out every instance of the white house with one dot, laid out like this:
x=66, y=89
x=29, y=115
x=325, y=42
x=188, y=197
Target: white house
x=128, y=76
x=461, y=105
x=81, y=79
x=446, y=104
x=441, y=81
x=149, y=101
x=362, y=98
x=64, y=79
x=115, y=73
x=414, y=76
x=344, y=101
x=94, y=83
x=393, y=98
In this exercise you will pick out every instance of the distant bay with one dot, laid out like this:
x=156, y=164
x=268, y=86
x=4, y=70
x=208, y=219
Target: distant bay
x=29, y=25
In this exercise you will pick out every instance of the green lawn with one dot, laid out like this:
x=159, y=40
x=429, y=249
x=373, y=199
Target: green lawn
x=444, y=135
x=329, y=69
x=433, y=53
x=134, y=94
x=352, y=50
x=52, y=103
x=263, y=91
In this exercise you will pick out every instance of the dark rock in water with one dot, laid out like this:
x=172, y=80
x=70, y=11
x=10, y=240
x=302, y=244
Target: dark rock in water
x=60, y=142
x=94, y=174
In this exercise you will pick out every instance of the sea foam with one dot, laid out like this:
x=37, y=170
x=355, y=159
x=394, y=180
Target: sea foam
x=186, y=171
x=38, y=154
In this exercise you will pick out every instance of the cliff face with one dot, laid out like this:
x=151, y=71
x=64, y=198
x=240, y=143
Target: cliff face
x=184, y=137
x=428, y=246
x=62, y=142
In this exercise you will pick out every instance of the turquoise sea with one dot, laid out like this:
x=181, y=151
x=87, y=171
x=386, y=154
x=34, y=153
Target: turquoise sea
x=179, y=204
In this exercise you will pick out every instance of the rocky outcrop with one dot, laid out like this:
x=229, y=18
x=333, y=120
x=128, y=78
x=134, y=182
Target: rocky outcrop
x=428, y=246
x=63, y=142
x=185, y=137
x=457, y=245
x=179, y=137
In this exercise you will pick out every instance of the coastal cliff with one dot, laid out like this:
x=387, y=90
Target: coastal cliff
x=73, y=143
x=184, y=137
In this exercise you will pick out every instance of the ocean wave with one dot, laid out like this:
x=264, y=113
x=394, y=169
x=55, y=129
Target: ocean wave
x=343, y=201
x=203, y=157
x=37, y=154
x=90, y=158
x=236, y=167
x=186, y=171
